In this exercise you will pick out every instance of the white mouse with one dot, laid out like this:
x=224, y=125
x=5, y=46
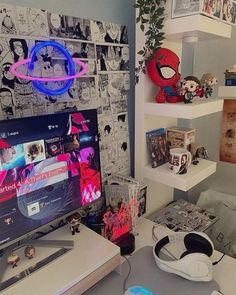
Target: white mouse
x=138, y=290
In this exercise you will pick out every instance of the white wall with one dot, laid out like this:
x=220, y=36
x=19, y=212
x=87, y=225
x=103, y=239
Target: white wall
x=215, y=57
x=159, y=195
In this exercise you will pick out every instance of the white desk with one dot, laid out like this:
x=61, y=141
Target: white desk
x=92, y=258
x=224, y=272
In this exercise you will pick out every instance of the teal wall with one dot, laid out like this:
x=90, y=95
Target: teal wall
x=117, y=11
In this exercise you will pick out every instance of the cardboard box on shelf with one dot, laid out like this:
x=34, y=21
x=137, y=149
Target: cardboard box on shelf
x=180, y=137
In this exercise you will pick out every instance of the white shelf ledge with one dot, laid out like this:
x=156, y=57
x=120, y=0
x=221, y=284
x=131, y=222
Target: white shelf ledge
x=195, y=174
x=227, y=92
x=199, y=108
x=200, y=26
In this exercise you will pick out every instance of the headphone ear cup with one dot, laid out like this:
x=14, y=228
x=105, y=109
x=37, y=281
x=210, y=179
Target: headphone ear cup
x=190, y=252
x=195, y=243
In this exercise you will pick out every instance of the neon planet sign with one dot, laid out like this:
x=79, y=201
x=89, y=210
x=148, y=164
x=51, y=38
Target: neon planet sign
x=39, y=82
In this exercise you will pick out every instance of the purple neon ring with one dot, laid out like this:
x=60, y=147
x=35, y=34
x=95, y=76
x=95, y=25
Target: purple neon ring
x=77, y=61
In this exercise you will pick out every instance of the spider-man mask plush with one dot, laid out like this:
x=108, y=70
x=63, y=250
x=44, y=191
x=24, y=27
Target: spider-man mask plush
x=163, y=70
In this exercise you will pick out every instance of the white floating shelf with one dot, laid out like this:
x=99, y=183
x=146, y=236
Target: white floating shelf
x=184, y=182
x=200, y=26
x=199, y=108
x=227, y=92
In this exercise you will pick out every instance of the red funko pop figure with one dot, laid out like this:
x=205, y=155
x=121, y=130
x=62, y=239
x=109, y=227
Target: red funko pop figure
x=163, y=70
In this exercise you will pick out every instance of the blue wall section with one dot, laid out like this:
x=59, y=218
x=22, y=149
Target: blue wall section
x=117, y=11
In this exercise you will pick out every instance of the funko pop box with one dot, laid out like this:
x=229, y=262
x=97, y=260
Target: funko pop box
x=180, y=137
x=222, y=10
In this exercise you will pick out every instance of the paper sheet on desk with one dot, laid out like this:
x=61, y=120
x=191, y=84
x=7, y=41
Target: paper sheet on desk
x=144, y=272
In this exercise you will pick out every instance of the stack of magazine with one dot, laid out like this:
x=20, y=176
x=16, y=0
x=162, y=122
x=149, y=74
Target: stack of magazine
x=182, y=215
x=126, y=193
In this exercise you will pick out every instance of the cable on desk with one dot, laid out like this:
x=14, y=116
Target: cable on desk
x=126, y=279
x=216, y=262
x=154, y=237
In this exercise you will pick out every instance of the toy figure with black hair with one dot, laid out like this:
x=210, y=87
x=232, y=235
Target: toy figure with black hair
x=190, y=87
x=74, y=222
x=163, y=70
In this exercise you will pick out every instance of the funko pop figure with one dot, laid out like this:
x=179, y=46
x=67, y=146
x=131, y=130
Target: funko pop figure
x=74, y=222
x=191, y=88
x=13, y=259
x=29, y=251
x=208, y=80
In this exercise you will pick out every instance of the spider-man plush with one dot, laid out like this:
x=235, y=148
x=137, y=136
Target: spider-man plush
x=163, y=70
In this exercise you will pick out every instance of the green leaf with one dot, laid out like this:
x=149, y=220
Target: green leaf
x=151, y=15
x=141, y=52
x=152, y=9
x=149, y=32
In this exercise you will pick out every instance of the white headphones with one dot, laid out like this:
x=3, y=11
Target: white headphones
x=195, y=263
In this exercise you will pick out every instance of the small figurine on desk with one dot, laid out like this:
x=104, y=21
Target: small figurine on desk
x=208, y=80
x=29, y=251
x=74, y=222
x=13, y=259
x=190, y=88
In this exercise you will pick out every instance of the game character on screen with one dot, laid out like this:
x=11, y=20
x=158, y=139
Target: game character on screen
x=34, y=150
x=7, y=154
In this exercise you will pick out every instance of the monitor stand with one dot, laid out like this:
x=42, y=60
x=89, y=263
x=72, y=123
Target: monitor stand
x=63, y=245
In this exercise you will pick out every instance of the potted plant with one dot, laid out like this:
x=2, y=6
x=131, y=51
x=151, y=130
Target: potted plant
x=151, y=16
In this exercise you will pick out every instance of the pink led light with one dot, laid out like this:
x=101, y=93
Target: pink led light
x=77, y=61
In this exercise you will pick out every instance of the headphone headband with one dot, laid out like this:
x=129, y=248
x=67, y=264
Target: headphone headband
x=179, y=236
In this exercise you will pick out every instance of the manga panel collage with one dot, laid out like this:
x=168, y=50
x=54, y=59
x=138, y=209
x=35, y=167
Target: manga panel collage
x=113, y=122
x=102, y=46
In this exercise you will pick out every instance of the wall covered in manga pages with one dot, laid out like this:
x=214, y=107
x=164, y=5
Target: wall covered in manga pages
x=103, y=46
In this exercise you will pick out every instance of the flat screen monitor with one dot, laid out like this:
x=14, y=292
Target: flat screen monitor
x=49, y=167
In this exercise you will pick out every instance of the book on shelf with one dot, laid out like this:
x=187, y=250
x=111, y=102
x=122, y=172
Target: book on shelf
x=157, y=147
